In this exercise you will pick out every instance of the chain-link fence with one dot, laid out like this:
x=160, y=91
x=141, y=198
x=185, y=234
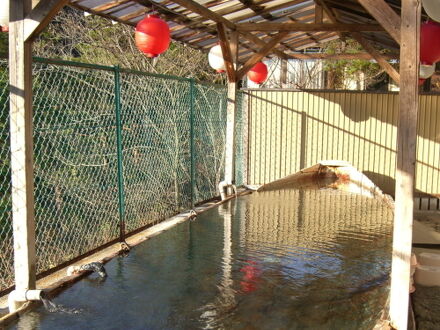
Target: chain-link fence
x=114, y=150
x=6, y=247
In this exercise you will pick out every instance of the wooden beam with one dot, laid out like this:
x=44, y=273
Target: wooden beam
x=309, y=35
x=110, y=5
x=342, y=56
x=205, y=12
x=384, y=15
x=226, y=50
x=261, y=54
x=233, y=43
x=257, y=9
x=406, y=160
x=377, y=56
x=319, y=14
x=306, y=27
x=21, y=140
x=40, y=16
x=259, y=42
x=327, y=11
x=381, y=60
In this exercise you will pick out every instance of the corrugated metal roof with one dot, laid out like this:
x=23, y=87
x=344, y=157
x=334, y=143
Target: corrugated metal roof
x=200, y=32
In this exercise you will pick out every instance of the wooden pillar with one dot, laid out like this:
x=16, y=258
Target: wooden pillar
x=283, y=73
x=230, y=116
x=406, y=158
x=20, y=80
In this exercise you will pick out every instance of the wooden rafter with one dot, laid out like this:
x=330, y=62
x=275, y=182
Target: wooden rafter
x=304, y=27
x=40, y=16
x=257, y=9
x=203, y=11
x=168, y=14
x=226, y=50
x=261, y=54
x=195, y=22
x=389, y=69
x=342, y=56
x=386, y=16
x=381, y=60
x=110, y=5
x=260, y=10
x=319, y=14
x=309, y=35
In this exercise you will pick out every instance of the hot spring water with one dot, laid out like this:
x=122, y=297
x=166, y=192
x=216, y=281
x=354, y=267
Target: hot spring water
x=288, y=259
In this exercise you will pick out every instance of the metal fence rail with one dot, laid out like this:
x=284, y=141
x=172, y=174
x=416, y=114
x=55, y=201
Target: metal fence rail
x=115, y=150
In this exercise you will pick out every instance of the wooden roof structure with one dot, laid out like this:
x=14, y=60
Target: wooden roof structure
x=309, y=23
x=248, y=31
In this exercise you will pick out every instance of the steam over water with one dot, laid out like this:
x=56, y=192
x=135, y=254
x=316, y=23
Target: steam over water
x=289, y=259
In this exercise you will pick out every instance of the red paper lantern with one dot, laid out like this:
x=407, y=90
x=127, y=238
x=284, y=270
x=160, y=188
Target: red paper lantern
x=152, y=36
x=430, y=42
x=258, y=73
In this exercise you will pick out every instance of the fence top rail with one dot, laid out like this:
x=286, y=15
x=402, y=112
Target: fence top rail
x=92, y=66
x=328, y=91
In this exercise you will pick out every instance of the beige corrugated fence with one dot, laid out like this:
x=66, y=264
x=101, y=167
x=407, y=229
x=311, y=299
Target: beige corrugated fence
x=290, y=130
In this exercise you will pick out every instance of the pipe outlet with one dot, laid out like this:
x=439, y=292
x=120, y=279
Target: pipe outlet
x=225, y=189
x=222, y=187
x=17, y=298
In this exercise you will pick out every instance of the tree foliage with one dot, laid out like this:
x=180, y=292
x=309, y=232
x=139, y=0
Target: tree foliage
x=355, y=70
x=93, y=39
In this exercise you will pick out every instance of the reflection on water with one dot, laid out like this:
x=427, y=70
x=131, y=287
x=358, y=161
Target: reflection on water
x=291, y=259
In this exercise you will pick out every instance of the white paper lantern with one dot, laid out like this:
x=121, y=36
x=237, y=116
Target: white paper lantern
x=426, y=70
x=4, y=13
x=432, y=8
x=215, y=59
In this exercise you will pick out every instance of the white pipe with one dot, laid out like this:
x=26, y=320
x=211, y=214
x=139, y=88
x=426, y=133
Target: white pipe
x=223, y=186
x=17, y=297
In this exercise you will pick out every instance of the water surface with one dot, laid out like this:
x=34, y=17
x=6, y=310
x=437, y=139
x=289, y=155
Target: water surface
x=290, y=259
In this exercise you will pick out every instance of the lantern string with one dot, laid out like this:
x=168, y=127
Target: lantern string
x=154, y=10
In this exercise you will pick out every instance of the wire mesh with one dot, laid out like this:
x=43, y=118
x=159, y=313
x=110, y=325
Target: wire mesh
x=209, y=139
x=76, y=206
x=114, y=150
x=156, y=147
x=6, y=244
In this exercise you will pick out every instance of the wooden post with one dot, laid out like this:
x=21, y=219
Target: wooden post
x=406, y=158
x=20, y=80
x=230, y=116
x=283, y=73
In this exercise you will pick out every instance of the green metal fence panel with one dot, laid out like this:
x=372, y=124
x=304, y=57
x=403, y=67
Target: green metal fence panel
x=75, y=155
x=114, y=150
x=6, y=243
x=209, y=139
x=156, y=147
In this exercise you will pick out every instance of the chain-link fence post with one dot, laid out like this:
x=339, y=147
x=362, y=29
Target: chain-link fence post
x=121, y=192
x=192, y=150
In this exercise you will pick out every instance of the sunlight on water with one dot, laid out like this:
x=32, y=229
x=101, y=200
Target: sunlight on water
x=289, y=259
